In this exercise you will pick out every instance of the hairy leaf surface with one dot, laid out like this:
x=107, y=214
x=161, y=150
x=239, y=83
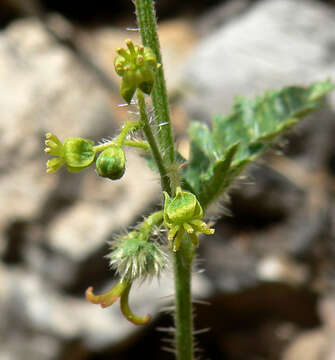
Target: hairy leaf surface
x=217, y=157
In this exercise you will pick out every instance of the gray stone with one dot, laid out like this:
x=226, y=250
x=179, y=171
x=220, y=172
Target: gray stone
x=275, y=43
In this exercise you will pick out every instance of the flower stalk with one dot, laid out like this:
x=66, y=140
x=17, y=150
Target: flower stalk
x=147, y=23
x=183, y=258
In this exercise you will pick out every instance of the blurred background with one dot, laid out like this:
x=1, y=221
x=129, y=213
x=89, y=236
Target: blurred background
x=264, y=285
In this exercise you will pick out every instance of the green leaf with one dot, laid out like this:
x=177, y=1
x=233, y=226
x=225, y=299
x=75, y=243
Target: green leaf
x=203, y=153
x=218, y=178
x=218, y=157
x=257, y=122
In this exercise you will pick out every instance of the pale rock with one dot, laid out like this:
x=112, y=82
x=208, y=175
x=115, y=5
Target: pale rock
x=276, y=43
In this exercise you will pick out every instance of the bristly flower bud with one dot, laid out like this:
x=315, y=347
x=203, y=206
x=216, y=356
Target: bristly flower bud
x=136, y=67
x=76, y=153
x=111, y=163
x=134, y=256
x=183, y=213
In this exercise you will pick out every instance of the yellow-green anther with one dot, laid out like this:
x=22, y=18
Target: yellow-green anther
x=111, y=163
x=131, y=47
x=202, y=227
x=140, y=60
x=54, y=146
x=189, y=229
x=123, y=53
x=54, y=164
x=136, y=66
x=141, y=49
x=178, y=239
x=184, y=213
x=172, y=233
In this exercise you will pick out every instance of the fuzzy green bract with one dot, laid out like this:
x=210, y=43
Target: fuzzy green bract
x=219, y=155
x=134, y=256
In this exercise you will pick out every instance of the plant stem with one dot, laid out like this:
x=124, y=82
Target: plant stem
x=150, y=222
x=152, y=142
x=138, y=144
x=184, y=256
x=128, y=127
x=146, y=19
x=121, y=139
x=184, y=318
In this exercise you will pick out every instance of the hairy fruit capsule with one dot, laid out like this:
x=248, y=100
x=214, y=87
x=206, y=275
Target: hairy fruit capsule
x=134, y=256
x=111, y=163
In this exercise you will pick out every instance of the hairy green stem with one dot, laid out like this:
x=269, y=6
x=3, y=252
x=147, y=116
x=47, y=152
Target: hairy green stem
x=121, y=139
x=127, y=128
x=138, y=144
x=183, y=258
x=146, y=19
x=150, y=222
x=152, y=142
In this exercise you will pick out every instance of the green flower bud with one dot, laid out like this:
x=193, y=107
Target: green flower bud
x=111, y=163
x=136, y=66
x=182, y=208
x=76, y=153
x=134, y=256
x=183, y=214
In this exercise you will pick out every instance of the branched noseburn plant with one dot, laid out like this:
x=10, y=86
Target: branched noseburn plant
x=217, y=157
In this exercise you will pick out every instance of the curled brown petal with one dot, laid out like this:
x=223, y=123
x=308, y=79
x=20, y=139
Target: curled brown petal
x=107, y=298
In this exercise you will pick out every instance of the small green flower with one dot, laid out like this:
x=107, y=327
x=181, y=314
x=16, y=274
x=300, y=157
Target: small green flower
x=136, y=67
x=184, y=213
x=76, y=153
x=111, y=163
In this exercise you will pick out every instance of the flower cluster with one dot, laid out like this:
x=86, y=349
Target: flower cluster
x=136, y=66
x=79, y=153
